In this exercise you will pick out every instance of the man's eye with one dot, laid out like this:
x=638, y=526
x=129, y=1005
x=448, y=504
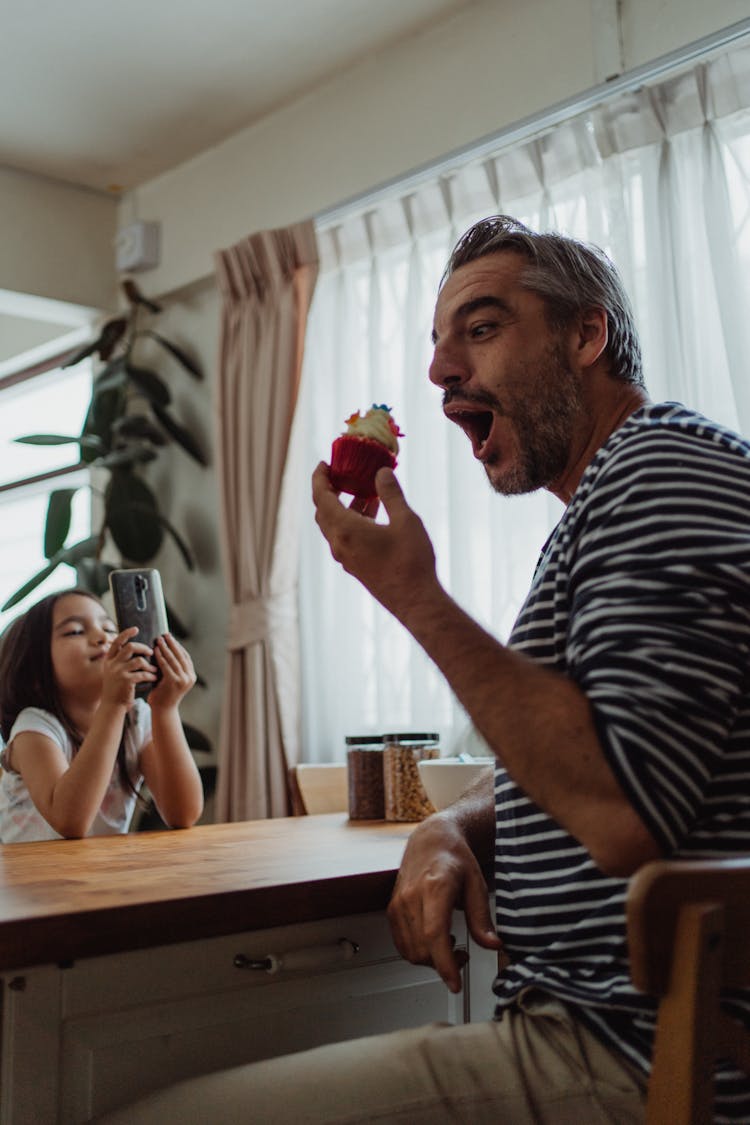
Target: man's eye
x=479, y=330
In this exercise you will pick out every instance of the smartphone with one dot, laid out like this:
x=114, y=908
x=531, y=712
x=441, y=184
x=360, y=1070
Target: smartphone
x=138, y=600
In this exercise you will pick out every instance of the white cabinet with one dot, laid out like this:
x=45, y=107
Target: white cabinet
x=82, y=1039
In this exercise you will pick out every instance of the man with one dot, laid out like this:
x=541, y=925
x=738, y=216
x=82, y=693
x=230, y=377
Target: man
x=619, y=711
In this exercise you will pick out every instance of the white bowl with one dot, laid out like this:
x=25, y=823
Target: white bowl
x=446, y=779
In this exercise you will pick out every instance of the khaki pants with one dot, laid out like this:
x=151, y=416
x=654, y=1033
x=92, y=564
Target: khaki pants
x=537, y=1065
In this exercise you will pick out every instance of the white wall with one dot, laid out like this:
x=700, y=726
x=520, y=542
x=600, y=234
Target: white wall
x=57, y=241
x=496, y=63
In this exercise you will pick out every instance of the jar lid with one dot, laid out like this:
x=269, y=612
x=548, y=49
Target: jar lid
x=408, y=736
x=366, y=739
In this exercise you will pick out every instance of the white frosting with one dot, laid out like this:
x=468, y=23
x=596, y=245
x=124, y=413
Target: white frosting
x=376, y=424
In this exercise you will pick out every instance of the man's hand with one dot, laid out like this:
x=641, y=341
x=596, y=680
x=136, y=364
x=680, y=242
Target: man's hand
x=439, y=872
x=394, y=561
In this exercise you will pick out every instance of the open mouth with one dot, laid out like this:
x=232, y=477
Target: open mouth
x=476, y=424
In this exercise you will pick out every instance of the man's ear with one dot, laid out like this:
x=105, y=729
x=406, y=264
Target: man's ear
x=590, y=336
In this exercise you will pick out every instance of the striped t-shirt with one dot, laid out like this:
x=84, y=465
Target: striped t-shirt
x=642, y=597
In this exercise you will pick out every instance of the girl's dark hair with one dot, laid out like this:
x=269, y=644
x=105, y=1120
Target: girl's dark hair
x=27, y=678
x=570, y=276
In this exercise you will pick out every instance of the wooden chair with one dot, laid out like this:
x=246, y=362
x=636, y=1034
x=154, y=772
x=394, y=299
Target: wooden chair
x=688, y=937
x=318, y=788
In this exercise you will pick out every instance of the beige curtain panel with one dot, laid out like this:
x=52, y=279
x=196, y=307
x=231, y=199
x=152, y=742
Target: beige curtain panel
x=266, y=282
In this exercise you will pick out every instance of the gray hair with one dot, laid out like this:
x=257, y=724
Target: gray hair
x=569, y=276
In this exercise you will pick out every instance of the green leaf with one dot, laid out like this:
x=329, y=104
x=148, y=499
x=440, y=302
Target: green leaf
x=70, y=555
x=82, y=353
x=91, y=443
x=149, y=384
x=112, y=377
x=208, y=778
x=182, y=357
x=57, y=524
x=132, y=516
x=181, y=544
x=110, y=336
x=138, y=454
x=45, y=439
x=104, y=409
x=104, y=344
x=176, y=625
x=83, y=549
x=138, y=426
x=196, y=739
x=134, y=295
x=180, y=434
x=27, y=587
x=93, y=575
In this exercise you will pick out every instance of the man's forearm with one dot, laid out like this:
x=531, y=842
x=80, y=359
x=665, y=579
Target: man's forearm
x=539, y=724
x=474, y=815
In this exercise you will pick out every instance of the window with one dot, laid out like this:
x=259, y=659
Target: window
x=52, y=401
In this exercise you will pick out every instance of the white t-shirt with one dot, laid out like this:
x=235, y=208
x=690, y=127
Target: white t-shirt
x=20, y=819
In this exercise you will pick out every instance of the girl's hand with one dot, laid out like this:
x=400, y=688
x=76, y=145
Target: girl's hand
x=177, y=673
x=125, y=665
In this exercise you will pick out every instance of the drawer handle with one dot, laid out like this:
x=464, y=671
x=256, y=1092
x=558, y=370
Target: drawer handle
x=309, y=957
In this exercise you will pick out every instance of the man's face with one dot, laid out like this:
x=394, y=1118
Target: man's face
x=505, y=374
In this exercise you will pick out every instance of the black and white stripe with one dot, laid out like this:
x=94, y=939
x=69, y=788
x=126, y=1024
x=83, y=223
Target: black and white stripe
x=642, y=596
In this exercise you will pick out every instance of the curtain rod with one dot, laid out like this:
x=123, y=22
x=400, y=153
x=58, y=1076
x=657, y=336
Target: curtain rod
x=545, y=119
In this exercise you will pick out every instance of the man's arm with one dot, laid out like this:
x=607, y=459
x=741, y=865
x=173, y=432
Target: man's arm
x=537, y=721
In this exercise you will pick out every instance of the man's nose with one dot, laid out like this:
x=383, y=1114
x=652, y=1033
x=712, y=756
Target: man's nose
x=447, y=368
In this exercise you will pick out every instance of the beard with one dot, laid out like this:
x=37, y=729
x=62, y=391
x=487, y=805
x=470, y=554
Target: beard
x=542, y=403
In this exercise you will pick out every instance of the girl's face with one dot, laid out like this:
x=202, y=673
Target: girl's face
x=82, y=632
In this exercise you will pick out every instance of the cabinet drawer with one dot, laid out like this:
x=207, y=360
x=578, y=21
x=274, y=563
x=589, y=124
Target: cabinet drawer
x=206, y=967
x=106, y=1058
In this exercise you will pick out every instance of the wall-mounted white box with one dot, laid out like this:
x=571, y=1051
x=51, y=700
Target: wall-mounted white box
x=137, y=247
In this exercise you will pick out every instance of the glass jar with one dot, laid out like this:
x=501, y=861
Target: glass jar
x=364, y=769
x=405, y=798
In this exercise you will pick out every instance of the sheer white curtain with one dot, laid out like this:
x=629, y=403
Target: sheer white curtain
x=660, y=178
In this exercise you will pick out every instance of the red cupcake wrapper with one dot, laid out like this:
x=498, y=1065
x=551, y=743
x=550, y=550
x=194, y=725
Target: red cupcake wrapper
x=354, y=463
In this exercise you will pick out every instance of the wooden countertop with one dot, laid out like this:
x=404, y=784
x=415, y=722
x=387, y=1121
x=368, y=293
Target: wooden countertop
x=66, y=899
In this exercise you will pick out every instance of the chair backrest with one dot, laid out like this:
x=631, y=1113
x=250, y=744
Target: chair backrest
x=689, y=937
x=319, y=787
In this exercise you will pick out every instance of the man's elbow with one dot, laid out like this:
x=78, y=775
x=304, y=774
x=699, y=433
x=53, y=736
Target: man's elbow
x=625, y=847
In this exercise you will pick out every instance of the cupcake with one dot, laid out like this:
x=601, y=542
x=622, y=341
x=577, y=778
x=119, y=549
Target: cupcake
x=370, y=442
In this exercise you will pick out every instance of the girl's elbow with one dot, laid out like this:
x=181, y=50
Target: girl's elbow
x=184, y=817
x=72, y=828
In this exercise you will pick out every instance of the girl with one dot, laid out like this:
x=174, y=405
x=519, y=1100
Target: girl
x=78, y=742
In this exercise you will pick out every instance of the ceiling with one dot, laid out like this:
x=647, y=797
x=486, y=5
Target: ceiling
x=109, y=96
